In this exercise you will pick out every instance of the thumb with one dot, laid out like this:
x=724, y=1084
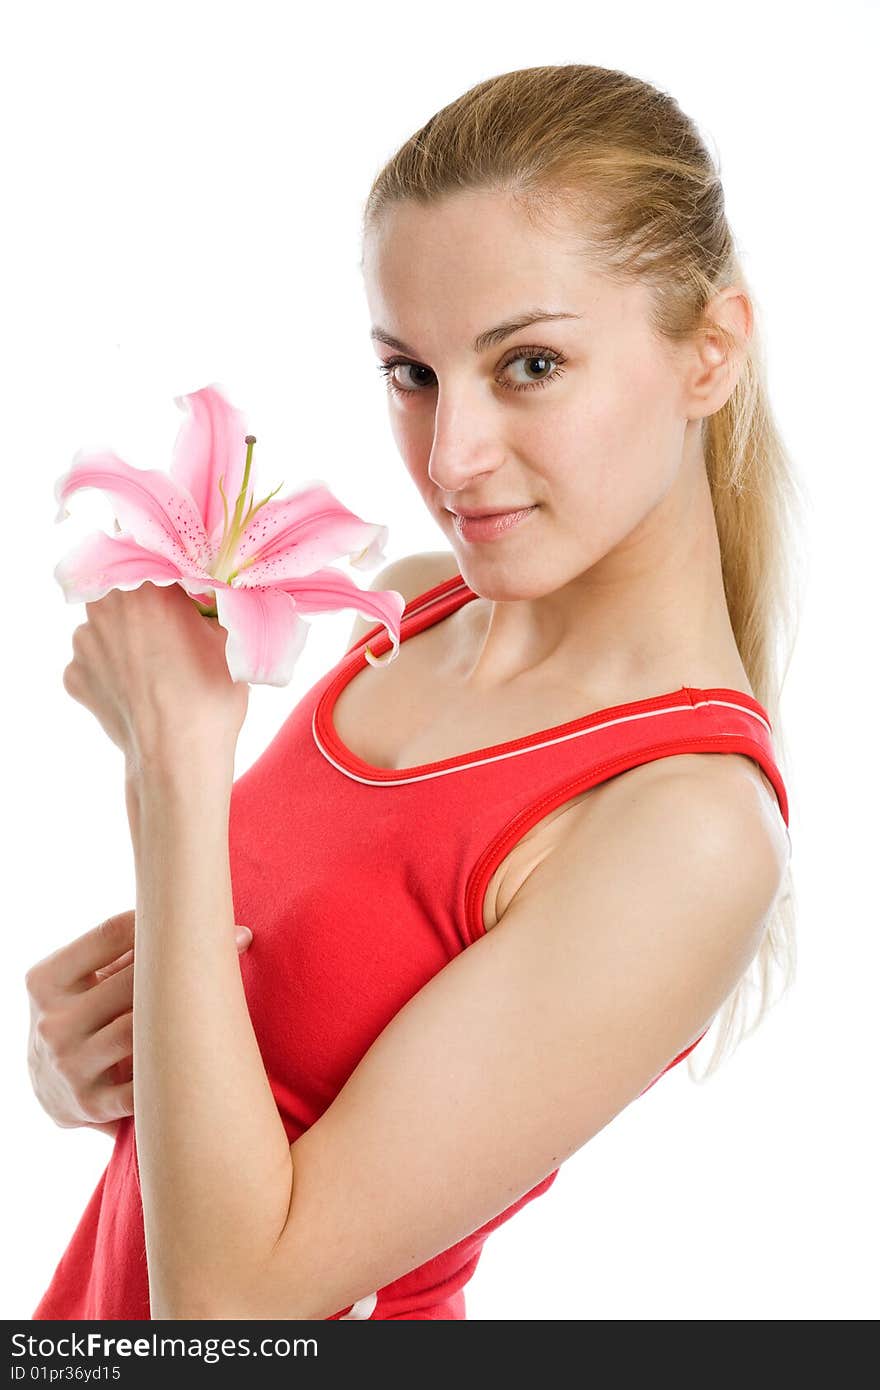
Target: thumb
x=243, y=937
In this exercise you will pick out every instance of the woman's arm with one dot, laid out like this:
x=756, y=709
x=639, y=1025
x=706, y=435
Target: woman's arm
x=213, y=1154
x=611, y=958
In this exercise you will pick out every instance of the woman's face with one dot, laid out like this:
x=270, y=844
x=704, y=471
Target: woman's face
x=582, y=418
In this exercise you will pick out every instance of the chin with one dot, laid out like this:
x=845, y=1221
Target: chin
x=499, y=584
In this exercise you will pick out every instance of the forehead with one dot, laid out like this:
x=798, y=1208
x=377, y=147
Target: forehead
x=474, y=258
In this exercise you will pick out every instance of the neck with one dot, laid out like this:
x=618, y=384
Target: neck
x=650, y=614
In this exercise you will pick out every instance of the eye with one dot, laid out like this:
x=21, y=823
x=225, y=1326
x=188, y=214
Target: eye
x=390, y=367
x=533, y=359
x=540, y=360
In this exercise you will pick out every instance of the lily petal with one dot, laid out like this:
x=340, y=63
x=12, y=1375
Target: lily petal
x=374, y=553
x=158, y=511
x=266, y=634
x=328, y=589
x=297, y=533
x=100, y=563
x=210, y=446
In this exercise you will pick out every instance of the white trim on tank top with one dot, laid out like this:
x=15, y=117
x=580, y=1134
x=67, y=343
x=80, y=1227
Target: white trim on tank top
x=364, y=1308
x=514, y=752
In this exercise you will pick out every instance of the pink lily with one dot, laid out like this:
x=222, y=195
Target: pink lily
x=256, y=572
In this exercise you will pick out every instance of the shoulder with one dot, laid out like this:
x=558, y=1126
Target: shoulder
x=411, y=575
x=717, y=802
x=688, y=843
x=414, y=574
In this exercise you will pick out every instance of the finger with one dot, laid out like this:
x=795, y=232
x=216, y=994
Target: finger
x=113, y=1102
x=111, y=1044
x=105, y=971
x=94, y=1008
x=118, y=1074
x=123, y=1071
x=72, y=965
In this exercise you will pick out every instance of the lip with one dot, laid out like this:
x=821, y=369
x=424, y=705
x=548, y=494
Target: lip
x=487, y=526
x=484, y=511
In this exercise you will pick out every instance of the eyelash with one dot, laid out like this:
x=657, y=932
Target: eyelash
x=557, y=358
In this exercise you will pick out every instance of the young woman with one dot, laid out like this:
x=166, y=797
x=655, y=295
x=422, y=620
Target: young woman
x=497, y=887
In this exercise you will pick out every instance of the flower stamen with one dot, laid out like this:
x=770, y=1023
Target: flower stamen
x=232, y=531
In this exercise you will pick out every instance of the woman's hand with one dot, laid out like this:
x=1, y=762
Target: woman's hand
x=153, y=671
x=80, y=1042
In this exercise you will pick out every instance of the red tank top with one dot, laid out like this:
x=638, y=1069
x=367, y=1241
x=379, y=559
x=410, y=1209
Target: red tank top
x=354, y=907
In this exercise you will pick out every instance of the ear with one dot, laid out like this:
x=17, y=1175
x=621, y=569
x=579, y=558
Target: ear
x=720, y=351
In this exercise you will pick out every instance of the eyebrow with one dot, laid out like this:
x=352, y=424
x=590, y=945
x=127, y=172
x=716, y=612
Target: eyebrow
x=491, y=336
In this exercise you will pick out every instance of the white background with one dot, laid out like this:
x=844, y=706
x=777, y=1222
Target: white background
x=182, y=187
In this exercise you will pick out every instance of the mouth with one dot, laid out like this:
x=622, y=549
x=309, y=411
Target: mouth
x=490, y=525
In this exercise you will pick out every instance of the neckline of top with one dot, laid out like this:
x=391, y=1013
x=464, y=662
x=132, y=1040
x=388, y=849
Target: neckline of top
x=431, y=607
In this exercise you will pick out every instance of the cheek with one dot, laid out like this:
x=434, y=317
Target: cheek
x=399, y=428
x=615, y=450
x=413, y=433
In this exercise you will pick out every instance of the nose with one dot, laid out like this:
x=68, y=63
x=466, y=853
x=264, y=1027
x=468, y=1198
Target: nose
x=466, y=441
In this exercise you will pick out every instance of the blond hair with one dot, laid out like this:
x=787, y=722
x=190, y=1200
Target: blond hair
x=621, y=159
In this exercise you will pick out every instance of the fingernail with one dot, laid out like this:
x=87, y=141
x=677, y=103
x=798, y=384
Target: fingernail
x=243, y=936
